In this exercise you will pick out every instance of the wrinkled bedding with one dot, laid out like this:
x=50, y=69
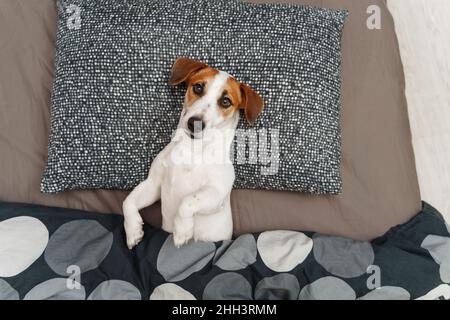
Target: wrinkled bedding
x=378, y=168
x=50, y=253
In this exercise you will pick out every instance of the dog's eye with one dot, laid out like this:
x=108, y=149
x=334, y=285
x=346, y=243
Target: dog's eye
x=225, y=102
x=198, y=88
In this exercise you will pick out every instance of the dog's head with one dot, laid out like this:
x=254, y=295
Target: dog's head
x=213, y=98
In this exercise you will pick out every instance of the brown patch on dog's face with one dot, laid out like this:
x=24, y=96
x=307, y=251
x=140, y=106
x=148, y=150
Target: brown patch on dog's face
x=183, y=69
x=219, y=95
x=252, y=103
x=231, y=98
x=198, y=85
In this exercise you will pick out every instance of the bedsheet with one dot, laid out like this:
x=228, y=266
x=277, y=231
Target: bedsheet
x=51, y=253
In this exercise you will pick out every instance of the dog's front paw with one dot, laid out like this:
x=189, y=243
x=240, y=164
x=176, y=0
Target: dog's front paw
x=134, y=231
x=183, y=231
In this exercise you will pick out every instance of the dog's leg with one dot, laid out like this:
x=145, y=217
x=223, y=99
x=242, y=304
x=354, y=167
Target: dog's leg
x=144, y=195
x=204, y=201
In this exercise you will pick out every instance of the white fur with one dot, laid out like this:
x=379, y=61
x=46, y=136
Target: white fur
x=192, y=177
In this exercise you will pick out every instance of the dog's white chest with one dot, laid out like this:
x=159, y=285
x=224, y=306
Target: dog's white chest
x=183, y=167
x=183, y=179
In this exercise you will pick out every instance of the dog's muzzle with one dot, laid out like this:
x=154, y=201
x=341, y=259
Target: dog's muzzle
x=195, y=126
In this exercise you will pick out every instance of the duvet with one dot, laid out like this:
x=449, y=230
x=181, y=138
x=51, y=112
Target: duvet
x=51, y=253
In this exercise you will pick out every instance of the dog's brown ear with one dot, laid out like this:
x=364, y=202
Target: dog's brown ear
x=252, y=103
x=183, y=69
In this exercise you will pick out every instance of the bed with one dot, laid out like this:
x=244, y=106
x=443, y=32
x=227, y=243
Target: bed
x=377, y=240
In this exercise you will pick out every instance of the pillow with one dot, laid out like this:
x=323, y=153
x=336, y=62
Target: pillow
x=113, y=110
x=378, y=166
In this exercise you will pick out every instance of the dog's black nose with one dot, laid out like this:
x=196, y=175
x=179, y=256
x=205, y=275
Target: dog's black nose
x=195, y=125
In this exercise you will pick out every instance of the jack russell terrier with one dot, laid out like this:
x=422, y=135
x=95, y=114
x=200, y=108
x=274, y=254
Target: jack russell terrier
x=193, y=176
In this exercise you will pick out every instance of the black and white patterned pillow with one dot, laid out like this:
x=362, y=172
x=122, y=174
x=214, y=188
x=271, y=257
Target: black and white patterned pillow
x=113, y=111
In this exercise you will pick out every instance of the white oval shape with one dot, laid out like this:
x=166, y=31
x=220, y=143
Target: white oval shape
x=115, y=290
x=170, y=291
x=22, y=241
x=438, y=293
x=55, y=289
x=282, y=251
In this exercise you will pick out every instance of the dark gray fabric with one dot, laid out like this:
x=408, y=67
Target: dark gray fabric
x=113, y=111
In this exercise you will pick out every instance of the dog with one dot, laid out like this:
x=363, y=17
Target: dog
x=194, y=193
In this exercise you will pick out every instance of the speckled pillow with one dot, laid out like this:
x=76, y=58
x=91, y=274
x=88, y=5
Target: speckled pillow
x=113, y=110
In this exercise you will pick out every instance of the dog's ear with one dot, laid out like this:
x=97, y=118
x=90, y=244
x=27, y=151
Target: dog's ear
x=183, y=69
x=252, y=103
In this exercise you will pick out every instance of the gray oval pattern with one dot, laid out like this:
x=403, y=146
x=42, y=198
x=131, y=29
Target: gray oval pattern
x=387, y=293
x=176, y=264
x=237, y=256
x=439, y=247
x=221, y=249
x=83, y=243
x=171, y=291
x=7, y=292
x=283, y=286
x=228, y=286
x=55, y=289
x=343, y=257
x=327, y=288
x=115, y=290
